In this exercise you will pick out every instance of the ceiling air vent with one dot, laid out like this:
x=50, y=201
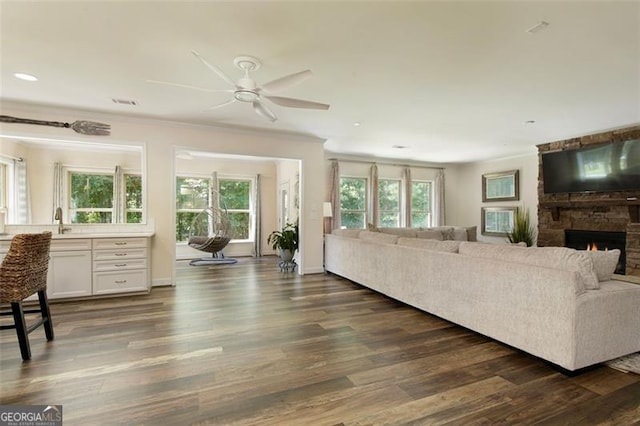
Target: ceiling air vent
x=124, y=101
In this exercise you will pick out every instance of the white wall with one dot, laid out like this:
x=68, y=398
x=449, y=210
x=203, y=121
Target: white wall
x=463, y=191
x=160, y=138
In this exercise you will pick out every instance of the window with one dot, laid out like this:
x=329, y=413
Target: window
x=192, y=196
x=133, y=194
x=421, y=203
x=90, y=197
x=236, y=194
x=91, y=194
x=353, y=202
x=389, y=202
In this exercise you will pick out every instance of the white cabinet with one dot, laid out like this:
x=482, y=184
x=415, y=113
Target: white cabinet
x=120, y=265
x=83, y=267
x=69, y=274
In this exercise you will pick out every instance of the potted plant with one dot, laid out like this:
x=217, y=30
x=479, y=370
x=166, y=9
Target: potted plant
x=285, y=241
x=523, y=230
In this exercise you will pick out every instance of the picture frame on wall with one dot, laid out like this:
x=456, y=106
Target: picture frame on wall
x=497, y=221
x=501, y=186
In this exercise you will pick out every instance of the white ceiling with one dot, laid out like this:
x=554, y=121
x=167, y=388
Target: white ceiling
x=452, y=81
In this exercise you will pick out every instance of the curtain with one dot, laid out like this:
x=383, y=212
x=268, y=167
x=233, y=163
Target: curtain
x=438, y=202
x=58, y=189
x=118, y=196
x=408, y=194
x=23, y=206
x=373, y=178
x=257, y=245
x=215, y=201
x=334, y=196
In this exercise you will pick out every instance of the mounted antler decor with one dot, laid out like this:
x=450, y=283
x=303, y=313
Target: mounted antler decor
x=84, y=127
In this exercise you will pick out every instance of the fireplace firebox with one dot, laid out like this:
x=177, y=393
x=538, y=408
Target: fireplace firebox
x=598, y=240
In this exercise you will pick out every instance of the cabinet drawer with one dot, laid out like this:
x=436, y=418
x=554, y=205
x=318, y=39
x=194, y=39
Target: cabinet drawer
x=70, y=245
x=119, y=254
x=120, y=281
x=119, y=243
x=115, y=265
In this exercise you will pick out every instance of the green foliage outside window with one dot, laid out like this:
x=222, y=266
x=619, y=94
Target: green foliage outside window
x=420, y=204
x=236, y=195
x=133, y=193
x=389, y=202
x=192, y=196
x=91, y=198
x=353, y=201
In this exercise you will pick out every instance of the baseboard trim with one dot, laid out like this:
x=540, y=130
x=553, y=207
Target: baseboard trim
x=161, y=282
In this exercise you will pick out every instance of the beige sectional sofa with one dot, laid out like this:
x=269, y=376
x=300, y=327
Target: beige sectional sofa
x=556, y=303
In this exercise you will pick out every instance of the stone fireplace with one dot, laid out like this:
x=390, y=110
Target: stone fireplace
x=615, y=212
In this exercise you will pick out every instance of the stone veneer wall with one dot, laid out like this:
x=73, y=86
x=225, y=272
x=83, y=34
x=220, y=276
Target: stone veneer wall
x=598, y=211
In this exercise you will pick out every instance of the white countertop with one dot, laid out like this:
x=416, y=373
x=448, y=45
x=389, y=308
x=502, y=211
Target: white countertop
x=80, y=235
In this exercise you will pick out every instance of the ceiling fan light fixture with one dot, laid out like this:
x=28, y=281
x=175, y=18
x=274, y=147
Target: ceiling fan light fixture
x=245, y=95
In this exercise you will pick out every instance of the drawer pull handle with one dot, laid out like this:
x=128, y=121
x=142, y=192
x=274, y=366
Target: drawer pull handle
x=119, y=265
x=121, y=254
x=121, y=244
x=121, y=281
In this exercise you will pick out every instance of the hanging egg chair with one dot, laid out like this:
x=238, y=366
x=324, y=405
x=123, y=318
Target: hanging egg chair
x=210, y=232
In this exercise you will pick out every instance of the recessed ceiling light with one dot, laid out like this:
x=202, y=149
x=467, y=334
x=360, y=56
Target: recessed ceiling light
x=357, y=123
x=25, y=77
x=538, y=27
x=399, y=147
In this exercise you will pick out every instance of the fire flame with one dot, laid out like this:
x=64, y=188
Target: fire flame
x=594, y=247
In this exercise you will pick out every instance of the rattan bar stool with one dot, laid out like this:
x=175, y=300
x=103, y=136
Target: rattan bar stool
x=24, y=272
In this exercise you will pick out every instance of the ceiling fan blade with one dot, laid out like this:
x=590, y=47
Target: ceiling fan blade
x=262, y=110
x=187, y=86
x=229, y=102
x=215, y=69
x=287, y=81
x=296, y=103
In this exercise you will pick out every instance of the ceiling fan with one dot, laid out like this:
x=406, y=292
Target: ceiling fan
x=247, y=90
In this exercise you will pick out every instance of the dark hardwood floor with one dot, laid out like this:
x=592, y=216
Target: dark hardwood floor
x=247, y=344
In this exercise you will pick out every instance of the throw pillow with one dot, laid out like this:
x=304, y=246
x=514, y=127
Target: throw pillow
x=430, y=244
x=604, y=263
x=447, y=231
x=378, y=237
x=550, y=257
x=430, y=235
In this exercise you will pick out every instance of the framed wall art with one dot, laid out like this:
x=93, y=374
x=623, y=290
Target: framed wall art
x=501, y=186
x=497, y=221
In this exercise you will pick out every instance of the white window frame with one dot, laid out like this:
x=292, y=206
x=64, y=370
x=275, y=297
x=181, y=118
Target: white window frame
x=66, y=190
x=366, y=198
x=431, y=194
x=209, y=201
x=399, y=211
x=68, y=171
x=124, y=191
x=252, y=203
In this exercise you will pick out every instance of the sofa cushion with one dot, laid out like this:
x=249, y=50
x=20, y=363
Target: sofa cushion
x=400, y=232
x=378, y=237
x=430, y=235
x=430, y=244
x=604, y=263
x=349, y=233
x=551, y=257
x=447, y=231
x=472, y=233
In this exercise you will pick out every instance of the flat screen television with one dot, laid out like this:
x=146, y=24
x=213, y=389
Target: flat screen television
x=608, y=167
